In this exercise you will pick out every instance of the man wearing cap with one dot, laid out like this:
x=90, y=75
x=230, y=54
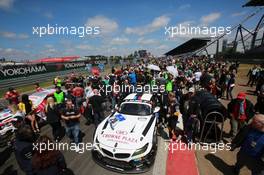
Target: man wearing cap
x=241, y=111
x=184, y=103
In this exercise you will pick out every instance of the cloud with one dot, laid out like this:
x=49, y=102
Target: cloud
x=107, y=25
x=184, y=6
x=119, y=41
x=22, y=36
x=49, y=52
x=212, y=17
x=66, y=43
x=48, y=46
x=144, y=41
x=156, y=24
x=6, y=4
x=163, y=47
x=48, y=15
x=84, y=47
x=13, y=54
x=70, y=51
x=238, y=14
x=159, y=50
x=186, y=23
x=11, y=35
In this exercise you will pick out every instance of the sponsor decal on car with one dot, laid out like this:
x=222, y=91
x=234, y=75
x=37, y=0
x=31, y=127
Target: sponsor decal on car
x=115, y=120
x=121, y=138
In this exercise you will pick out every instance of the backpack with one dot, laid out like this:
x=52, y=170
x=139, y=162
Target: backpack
x=253, y=145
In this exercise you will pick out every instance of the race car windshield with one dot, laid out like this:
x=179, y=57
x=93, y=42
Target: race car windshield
x=135, y=109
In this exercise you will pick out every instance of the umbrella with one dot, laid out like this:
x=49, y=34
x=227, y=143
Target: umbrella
x=173, y=70
x=95, y=71
x=153, y=67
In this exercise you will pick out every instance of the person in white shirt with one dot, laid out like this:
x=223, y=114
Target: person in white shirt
x=197, y=75
x=88, y=90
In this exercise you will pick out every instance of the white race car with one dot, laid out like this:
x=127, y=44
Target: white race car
x=6, y=118
x=126, y=141
x=6, y=127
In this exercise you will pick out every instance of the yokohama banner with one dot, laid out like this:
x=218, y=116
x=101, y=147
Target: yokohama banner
x=15, y=71
x=7, y=72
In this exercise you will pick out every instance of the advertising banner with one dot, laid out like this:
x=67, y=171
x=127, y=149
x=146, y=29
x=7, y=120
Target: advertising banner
x=15, y=71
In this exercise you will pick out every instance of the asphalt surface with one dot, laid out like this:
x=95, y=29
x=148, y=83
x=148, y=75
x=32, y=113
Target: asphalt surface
x=82, y=163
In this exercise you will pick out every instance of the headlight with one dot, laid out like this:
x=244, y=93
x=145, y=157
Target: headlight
x=97, y=144
x=141, y=150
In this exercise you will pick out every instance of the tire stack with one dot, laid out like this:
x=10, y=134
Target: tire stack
x=208, y=106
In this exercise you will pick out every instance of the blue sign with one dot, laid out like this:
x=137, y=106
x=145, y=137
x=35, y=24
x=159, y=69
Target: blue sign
x=101, y=66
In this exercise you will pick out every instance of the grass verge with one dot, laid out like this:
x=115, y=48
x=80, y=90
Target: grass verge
x=27, y=88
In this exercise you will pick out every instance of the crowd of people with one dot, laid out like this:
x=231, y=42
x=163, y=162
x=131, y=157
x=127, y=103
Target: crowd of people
x=94, y=96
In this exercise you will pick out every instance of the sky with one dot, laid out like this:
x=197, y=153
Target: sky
x=125, y=25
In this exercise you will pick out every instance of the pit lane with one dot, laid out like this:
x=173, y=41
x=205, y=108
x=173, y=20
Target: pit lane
x=83, y=164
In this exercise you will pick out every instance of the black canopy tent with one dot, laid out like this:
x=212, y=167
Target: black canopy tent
x=254, y=3
x=189, y=46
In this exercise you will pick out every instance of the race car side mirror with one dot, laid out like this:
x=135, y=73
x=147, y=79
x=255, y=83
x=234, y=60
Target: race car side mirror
x=157, y=109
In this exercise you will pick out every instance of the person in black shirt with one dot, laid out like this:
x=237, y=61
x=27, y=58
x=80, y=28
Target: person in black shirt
x=260, y=101
x=222, y=83
x=53, y=117
x=47, y=161
x=23, y=148
x=96, y=102
x=230, y=87
x=71, y=116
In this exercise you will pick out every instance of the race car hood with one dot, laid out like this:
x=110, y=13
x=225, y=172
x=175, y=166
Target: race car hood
x=38, y=98
x=4, y=114
x=124, y=131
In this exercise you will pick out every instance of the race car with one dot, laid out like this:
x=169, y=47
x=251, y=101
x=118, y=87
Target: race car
x=6, y=126
x=6, y=118
x=126, y=141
